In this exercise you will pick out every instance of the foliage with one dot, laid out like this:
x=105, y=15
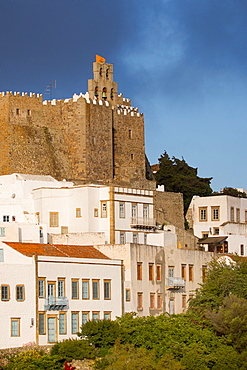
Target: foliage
x=34, y=360
x=231, y=319
x=127, y=357
x=70, y=349
x=177, y=176
x=232, y=192
x=102, y=334
x=222, y=280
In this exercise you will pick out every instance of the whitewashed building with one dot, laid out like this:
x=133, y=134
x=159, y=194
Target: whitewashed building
x=49, y=291
x=221, y=221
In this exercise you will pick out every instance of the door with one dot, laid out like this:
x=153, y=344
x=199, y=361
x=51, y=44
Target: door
x=51, y=329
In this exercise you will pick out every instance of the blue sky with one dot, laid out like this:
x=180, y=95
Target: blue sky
x=182, y=62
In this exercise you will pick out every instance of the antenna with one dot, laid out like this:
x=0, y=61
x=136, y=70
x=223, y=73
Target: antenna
x=48, y=89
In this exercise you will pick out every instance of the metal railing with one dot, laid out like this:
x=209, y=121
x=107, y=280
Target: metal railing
x=143, y=222
x=56, y=304
x=175, y=282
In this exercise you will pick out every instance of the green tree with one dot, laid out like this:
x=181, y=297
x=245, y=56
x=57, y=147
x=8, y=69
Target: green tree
x=177, y=176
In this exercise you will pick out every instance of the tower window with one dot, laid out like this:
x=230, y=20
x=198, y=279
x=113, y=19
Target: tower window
x=106, y=74
x=112, y=91
x=104, y=91
x=130, y=134
x=132, y=156
x=100, y=72
x=96, y=93
x=18, y=111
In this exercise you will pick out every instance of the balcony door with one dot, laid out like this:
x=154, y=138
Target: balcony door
x=52, y=329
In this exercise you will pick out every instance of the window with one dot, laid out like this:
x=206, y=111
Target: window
x=5, y=293
x=145, y=211
x=159, y=301
x=75, y=289
x=127, y=295
x=184, y=301
x=139, y=301
x=132, y=156
x=245, y=215
x=183, y=271
x=18, y=111
x=1, y=255
x=107, y=289
x=74, y=322
x=85, y=317
x=215, y=213
x=145, y=238
x=41, y=287
x=204, y=272
x=122, y=238
x=93, y=140
x=241, y=249
x=135, y=238
x=237, y=214
x=216, y=231
x=130, y=134
x=20, y=293
x=232, y=214
x=64, y=230
x=61, y=288
x=2, y=231
x=54, y=219
x=158, y=272
x=5, y=218
x=29, y=112
x=95, y=285
x=96, y=212
x=134, y=210
x=152, y=300
x=203, y=214
x=103, y=210
x=171, y=306
x=62, y=323
x=95, y=316
x=107, y=315
x=37, y=217
x=78, y=212
x=170, y=271
x=191, y=268
x=41, y=323
x=204, y=234
x=139, y=270
x=15, y=327
x=151, y=271
x=85, y=289
x=121, y=210
x=51, y=288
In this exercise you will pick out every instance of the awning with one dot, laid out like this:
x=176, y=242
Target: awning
x=213, y=240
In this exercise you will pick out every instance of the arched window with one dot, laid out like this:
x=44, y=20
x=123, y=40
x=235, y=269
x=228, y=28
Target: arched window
x=112, y=91
x=96, y=93
x=100, y=72
x=104, y=91
x=106, y=74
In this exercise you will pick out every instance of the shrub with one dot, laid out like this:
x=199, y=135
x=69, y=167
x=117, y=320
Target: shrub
x=34, y=360
x=70, y=349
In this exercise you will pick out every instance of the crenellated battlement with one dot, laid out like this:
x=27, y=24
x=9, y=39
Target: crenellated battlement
x=128, y=110
x=18, y=94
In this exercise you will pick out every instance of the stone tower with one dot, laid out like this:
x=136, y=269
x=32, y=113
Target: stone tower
x=89, y=137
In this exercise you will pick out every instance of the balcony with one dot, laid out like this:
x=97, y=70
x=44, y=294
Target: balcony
x=56, y=304
x=143, y=223
x=175, y=283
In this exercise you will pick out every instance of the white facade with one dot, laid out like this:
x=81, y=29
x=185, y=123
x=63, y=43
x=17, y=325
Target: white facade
x=46, y=298
x=221, y=216
x=18, y=220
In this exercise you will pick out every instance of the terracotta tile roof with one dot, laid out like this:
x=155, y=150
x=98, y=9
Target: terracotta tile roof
x=57, y=250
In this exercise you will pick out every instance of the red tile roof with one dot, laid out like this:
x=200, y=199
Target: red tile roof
x=57, y=250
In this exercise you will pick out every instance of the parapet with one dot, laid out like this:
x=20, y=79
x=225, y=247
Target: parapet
x=20, y=94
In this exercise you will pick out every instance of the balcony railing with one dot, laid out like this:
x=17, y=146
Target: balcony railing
x=175, y=283
x=56, y=304
x=143, y=223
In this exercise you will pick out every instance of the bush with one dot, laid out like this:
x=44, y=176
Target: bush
x=73, y=349
x=34, y=360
